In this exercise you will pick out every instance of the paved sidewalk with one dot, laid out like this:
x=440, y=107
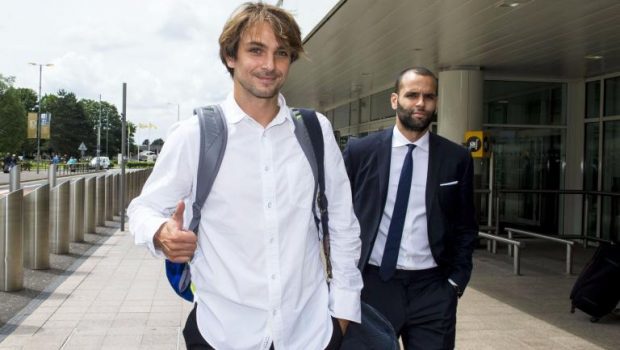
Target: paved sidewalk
x=118, y=298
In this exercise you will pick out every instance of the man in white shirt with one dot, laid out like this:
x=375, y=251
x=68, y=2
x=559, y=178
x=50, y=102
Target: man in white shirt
x=256, y=263
x=413, y=195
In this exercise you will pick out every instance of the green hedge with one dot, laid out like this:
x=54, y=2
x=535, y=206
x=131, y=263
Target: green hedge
x=133, y=165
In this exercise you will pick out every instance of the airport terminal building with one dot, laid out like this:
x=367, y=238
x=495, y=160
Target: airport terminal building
x=540, y=77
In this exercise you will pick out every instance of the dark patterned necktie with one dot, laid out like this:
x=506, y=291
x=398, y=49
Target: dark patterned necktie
x=395, y=232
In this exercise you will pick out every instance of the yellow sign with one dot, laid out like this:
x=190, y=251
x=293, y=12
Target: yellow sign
x=148, y=125
x=478, y=143
x=32, y=125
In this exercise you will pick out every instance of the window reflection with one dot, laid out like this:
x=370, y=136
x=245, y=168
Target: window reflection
x=529, y=159
x=612, y=96
x=524, y=103
x=611, y=180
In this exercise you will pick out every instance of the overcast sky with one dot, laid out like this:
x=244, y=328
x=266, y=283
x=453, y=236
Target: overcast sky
x=165, y=50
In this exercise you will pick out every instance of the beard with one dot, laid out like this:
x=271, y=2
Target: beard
x=409, y=122
x=261, y=92
x=264, y=93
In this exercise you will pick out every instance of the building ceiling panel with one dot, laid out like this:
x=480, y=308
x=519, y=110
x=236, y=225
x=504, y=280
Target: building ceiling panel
x=362, y=44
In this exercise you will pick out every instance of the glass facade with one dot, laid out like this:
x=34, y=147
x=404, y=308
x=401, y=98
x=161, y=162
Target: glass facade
x=602, y=163
x=380, y=106
x=612, y=97
x=341, y=117
x=526, y=121
x=593, y=99
x=529, y=159
x=590, y=175
x=610, y=225
x=530, y=103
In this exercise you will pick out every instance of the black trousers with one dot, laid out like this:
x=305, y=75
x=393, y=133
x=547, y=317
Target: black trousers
x=195, y=341
x=421, y=305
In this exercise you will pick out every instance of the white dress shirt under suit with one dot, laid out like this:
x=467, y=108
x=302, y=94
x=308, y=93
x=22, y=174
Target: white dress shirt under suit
x=257, y=269
x=415, y=252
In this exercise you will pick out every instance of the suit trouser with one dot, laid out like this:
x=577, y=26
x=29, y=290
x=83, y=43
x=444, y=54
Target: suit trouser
x=195, y=341
x=421, y=305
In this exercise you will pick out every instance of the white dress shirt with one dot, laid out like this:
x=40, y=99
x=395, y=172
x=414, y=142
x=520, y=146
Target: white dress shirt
x=257, y=269
x=415, y=252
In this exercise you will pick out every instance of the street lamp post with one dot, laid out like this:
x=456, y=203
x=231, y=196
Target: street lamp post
x=99, y=136
x=107, y=132
x=39, y=110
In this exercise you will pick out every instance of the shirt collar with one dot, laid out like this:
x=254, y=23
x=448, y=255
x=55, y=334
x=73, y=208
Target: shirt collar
x=399, y=140
x=234, y=114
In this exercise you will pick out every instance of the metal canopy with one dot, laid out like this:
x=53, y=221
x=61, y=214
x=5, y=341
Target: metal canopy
x=361, y=45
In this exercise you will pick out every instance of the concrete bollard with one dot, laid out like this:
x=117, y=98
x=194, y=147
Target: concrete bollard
x=115, y=193
x=89, y=205
x=125, y=194
x=109, y=195
x=129, y=187
x=14, y=178
x=76, y=210
x=59, y=218
x=51, y=175
x=36, y=229
x=11, y=242
x=100, y=201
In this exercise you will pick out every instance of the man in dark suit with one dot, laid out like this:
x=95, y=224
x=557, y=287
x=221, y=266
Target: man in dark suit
x=413, y=196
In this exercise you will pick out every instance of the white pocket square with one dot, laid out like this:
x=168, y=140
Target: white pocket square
x=449, y=183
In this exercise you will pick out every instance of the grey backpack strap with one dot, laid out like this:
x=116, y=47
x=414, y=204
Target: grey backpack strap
x=303, y=137
x=213, y=138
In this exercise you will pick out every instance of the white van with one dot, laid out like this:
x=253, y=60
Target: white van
x=148, y=156
x=104, y=163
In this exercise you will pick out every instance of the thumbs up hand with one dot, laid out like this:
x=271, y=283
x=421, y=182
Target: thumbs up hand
x=176, y=243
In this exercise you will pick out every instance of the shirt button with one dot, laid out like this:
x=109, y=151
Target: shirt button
x=271, y=240
x=266, y=168
x=273, y=277
x=269, y=205
x=275, y=312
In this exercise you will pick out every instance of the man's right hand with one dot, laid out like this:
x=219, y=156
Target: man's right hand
x=177, y=244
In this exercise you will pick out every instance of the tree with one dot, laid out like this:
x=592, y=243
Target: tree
x=28, y=98
x=12, y=121
x=156, y=145
x=132, y=128
x=111, y=127
x=69, y=124
x=6, y=82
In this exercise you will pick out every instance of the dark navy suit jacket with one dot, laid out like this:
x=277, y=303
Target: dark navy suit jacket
x=450, y=213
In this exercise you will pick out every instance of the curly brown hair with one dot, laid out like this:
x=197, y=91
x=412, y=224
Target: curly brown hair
x=247, y=16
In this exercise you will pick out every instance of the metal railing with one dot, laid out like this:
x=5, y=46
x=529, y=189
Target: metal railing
x=516, y=258
x=49, y=217
x=583, y=236
x=569, y=244
x=495, y=222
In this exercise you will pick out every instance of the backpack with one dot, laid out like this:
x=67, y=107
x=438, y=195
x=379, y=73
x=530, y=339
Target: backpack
x=213, y=138
x=597, y=289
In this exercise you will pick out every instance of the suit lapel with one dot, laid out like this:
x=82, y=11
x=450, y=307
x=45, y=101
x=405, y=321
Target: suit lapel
x=432, y=178
x=384, y=155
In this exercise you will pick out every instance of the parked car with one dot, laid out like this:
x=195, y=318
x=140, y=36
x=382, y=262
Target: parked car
x=104, y=163
x=148, y=156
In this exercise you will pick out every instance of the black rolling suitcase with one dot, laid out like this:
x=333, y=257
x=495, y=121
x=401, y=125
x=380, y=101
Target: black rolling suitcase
x=597, y=289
